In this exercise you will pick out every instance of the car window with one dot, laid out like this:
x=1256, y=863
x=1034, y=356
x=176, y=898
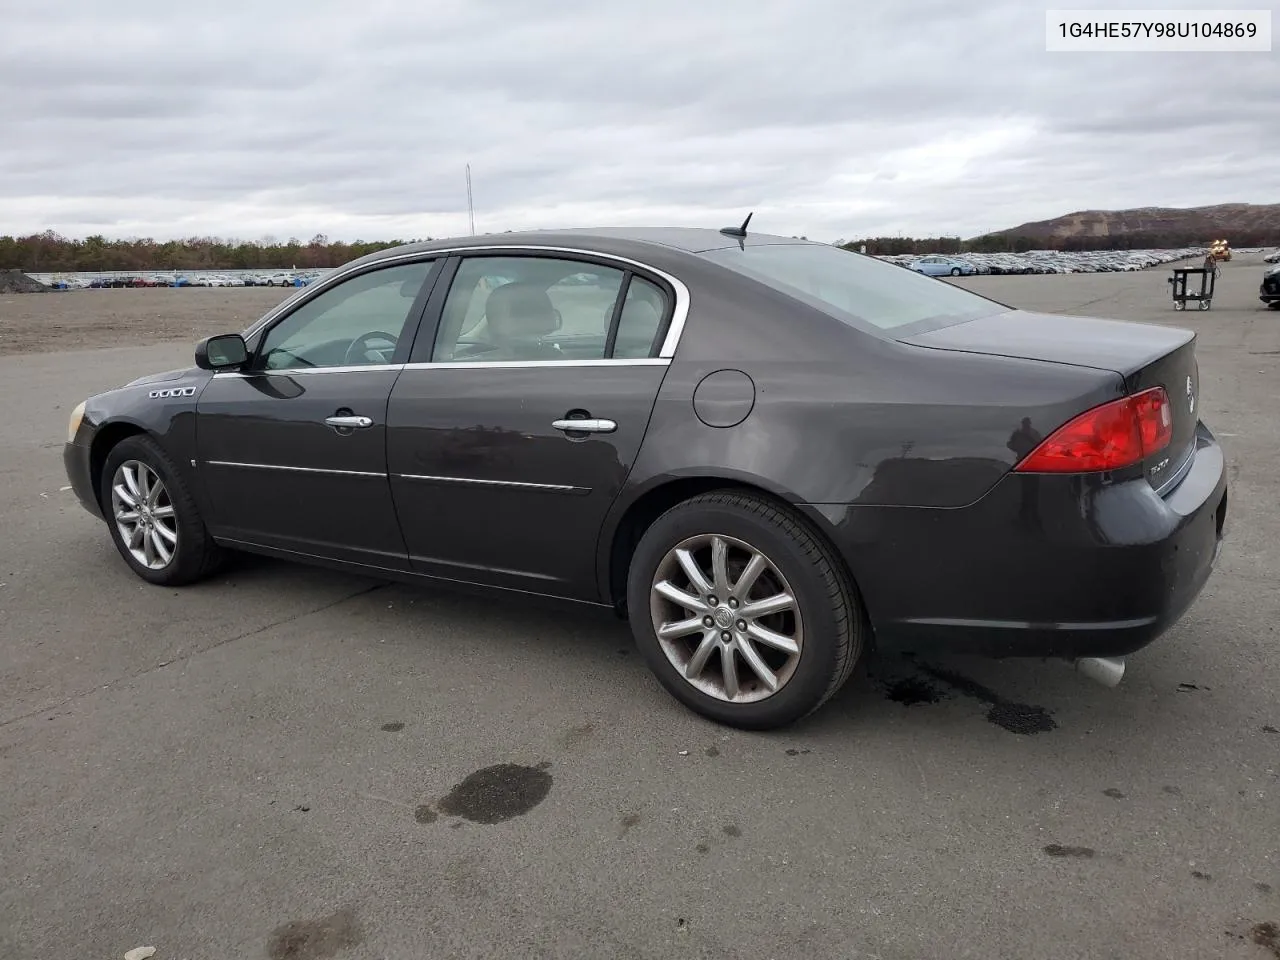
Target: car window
x=355, y=323
x=529, y=309
x=859, y=290
x=643, y=310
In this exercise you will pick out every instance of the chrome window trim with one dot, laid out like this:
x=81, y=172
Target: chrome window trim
x=511, y=484
x=449, y=365
x=278, y=466
x=533, y=364
x=312, y=371
x=679, y=313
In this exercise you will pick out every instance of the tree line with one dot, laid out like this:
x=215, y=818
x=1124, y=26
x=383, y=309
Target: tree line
x=50, y=252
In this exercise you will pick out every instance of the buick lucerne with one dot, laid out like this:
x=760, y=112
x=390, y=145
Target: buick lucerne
x=771, y=456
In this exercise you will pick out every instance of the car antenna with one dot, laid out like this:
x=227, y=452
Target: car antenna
x=737, y=231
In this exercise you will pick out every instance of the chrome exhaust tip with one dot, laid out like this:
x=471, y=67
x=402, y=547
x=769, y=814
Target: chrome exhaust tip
x=1108, y=671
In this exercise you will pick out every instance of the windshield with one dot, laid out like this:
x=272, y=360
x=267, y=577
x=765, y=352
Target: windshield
x=859, y=290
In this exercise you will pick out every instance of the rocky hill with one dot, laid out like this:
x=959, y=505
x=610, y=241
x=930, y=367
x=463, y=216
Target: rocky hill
x=1243, y=224
x=14, y=281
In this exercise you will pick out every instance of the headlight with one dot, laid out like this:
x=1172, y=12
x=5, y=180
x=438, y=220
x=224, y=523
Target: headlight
x=76, y=416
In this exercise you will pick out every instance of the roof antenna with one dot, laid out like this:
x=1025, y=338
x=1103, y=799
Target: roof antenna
x=737, y=231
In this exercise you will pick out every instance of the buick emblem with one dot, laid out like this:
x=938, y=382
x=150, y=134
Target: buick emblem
x=1191, y=397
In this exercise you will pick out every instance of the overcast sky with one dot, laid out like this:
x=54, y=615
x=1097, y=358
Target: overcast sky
x=829, y=118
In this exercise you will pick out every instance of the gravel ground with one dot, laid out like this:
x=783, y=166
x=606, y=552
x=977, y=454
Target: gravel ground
x=286, y=762
x=83, y=319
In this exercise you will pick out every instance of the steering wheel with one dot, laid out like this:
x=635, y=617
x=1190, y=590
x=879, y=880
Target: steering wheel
x=366, y=338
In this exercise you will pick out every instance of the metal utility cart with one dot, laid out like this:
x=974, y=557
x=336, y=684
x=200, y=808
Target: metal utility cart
x=1208, y=274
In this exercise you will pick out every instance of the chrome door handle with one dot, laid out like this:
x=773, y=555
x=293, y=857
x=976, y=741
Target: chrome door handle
x=349, y=422
x=585, y=426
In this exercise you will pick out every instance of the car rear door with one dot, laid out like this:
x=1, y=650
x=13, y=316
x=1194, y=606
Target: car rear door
x=510, y=434
x=293, y=448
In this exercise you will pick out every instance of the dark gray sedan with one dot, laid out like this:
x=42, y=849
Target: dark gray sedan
x=770, y=455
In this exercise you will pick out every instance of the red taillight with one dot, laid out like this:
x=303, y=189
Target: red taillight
x=1114, y=435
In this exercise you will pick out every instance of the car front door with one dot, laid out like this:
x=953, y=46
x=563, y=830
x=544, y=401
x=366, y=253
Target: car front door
x=494, y=481
x=293, y=447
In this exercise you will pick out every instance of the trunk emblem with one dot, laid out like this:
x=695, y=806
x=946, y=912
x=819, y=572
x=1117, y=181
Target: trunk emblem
x=1191, y=397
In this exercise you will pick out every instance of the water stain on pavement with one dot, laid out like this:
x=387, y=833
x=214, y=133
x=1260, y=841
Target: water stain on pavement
x=497, y=793
x=702, y=848
x=1113, y=793
x=1063, y=850
x=713, y=751
x=392, y=727
x=629, y=821
x=793, y=752
x=316, y=939
x=1019, y=718
x=1262, y=887
x=1201, y=875
x=732, y=830
x=1171, y=790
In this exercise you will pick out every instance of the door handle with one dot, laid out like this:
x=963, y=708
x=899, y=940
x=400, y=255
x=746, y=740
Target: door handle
x=585, y=426
x=349, y=423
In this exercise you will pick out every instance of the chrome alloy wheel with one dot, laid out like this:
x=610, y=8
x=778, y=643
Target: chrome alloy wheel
x=144, y=514
x=726, y=618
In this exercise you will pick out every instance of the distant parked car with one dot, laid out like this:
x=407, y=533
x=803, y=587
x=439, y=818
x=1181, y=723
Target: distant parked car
x=1269, y=292
x=942, y=267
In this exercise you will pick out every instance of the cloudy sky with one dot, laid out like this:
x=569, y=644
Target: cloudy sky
x=829, y=118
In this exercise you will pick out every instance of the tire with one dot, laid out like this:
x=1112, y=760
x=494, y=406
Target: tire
x=195, y=555
x=826, y=623
x=955, y=271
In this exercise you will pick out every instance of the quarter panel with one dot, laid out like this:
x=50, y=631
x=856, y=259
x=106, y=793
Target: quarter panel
x=884, y=425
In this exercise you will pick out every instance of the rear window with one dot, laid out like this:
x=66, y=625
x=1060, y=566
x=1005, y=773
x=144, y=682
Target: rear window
x=859, y=290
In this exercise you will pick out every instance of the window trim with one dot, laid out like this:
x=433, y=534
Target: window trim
x=674, y=307
x=413, y=318
x=675, y=321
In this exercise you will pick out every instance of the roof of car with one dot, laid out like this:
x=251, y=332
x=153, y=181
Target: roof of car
x=686, y=239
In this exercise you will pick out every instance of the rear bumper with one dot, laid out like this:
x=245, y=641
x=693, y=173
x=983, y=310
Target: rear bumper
x=75, y=460
x=1042, y=566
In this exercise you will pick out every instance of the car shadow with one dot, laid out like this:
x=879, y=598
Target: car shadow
x=1026, y=697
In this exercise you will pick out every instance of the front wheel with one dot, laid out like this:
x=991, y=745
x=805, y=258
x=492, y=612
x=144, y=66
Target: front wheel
x=955, y=271
x=152, y=516
x=741, y=612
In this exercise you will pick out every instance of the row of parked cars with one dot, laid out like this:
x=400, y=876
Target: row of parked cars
x=1042, y=261
x=273, y=279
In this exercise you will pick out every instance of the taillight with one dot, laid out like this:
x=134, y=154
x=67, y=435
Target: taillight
x=1114, y=435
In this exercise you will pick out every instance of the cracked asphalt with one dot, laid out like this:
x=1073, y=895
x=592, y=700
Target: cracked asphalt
x=286, y=762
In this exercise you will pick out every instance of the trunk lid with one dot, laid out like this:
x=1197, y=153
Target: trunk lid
x=1144, y=355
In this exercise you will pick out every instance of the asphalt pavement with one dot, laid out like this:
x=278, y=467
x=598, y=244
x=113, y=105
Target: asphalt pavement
x=286, y=762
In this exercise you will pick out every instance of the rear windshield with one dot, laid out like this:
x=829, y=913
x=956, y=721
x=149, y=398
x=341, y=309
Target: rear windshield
x=859, y=290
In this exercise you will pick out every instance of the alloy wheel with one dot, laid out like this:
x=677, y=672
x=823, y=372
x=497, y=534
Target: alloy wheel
x=726, y=618
x=144, y=514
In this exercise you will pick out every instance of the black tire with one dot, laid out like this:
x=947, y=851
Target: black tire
x=955, y=271
x=196, y=555
x=835, y=626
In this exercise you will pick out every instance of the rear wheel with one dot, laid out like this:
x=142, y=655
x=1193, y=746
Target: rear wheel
x=955, y=271
x=741, y=612
x=153, y=519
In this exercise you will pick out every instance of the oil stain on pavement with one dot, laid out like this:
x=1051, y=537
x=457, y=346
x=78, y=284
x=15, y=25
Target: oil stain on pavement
x=315, y=939
x=1020, y=718
x=494, y=794
x=1062, y=850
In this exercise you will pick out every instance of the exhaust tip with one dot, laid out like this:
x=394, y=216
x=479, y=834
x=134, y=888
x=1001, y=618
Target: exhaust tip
x=1108, y=671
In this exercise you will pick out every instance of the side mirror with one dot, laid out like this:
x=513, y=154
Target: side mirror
x=226, y=351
